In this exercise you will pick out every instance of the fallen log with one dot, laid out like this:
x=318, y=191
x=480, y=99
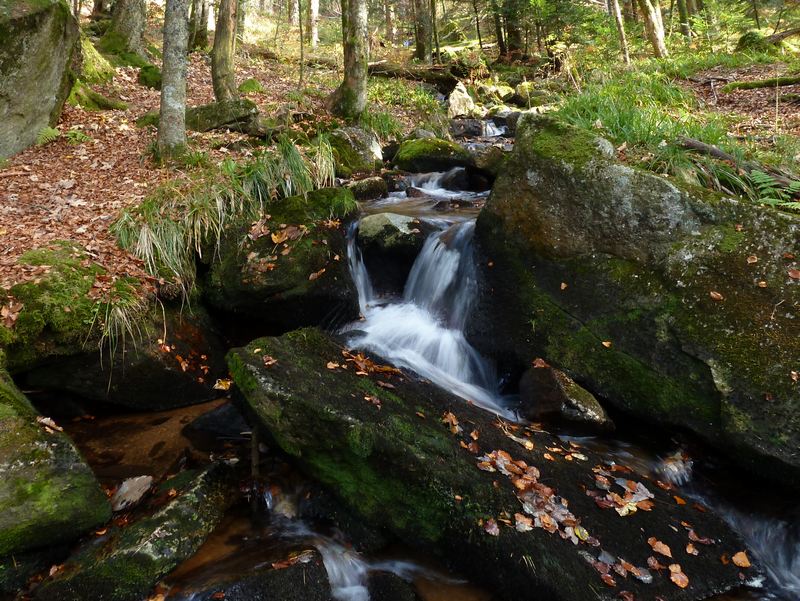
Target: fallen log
x=772, y=82
x=516, y=508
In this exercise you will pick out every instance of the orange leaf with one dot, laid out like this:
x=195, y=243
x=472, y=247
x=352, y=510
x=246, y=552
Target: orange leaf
x=677, y=576
x=659, y=547
x=716, y=295
x=741, y=560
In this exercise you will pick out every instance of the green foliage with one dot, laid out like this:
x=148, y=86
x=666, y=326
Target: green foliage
x=181, y=220
x=76, y=136
x=47, y=135
x=251, y=86
x=150, y=77
x=382, y=123
x=769, y=191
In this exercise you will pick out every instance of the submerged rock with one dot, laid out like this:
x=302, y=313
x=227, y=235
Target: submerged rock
x=517, y=509
x=355, y=150
x=676, y=306
x=431, y=154
x=289, y=269
x=125, y=563
x=548, y=393
x=48, y=495
x=41, y=51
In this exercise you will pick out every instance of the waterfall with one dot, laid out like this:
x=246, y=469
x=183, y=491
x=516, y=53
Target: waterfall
x=424, y=330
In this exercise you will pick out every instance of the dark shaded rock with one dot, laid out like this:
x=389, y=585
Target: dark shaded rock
x=462, y=128
x=40, y=44
x=355, y=150
x=413, y=192
x=413, y=476
x=237, y=115
x=384, y=586
x=548, y=393
x=432, y=154
x=221, y=423
x=674, y=305
x=301, y=280
x=489, y=159
x=148, y=371
x=125, y=563
x=370, y=188
x=48, y=495
x=17, y=570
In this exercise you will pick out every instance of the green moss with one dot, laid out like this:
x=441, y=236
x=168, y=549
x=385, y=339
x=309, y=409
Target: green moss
x=83, y=96
x=148, y=119
x=430, y=154
x=729, y=238
x=112, y=44
x=95, y=68
x=552, y=139
x=251, y=86
x=150, y=77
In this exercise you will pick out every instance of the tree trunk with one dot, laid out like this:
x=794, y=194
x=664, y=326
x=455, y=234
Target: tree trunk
x=654, y=26
x=172, y=120
x=435, y=30
x=194, y=24
x=389, y=17
x=424, y=31
x=98, y=8
x=683, y=13
x=302, y=45
x=477, y=23
x=313, y=22
x=127, y=26
x=498, y=29
x=756, y=16
x=241, y=15
x=222, y=55
x=350, y=98
x=294, y=13
x=513, y=19
x=613, y=7
x=201, y=35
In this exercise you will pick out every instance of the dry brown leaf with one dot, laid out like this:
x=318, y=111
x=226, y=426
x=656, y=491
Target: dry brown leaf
x=716, y=296
x=741, y=560
x=659, y=547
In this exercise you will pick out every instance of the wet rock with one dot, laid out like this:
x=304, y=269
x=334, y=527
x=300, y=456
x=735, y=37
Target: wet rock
x=147, y=371
x=222, y=424
x=635, y=285
x=41, y=48
x=16, y=570
x=125, y=563
x=302, y=581
x=370, y=188
x=548, y=393
x=461, y=104
x=489, y=159
x=401, y=457
x=355, y=150
x=463, y=128
x=413, y=192
x=48, y=495
x=433, y=154
x=385, y=586
x=290, y=268
x=390, y=243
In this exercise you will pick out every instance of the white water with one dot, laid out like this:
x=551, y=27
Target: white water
x=424, y=330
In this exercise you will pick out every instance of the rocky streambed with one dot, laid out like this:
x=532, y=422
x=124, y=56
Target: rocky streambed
x=412, y=399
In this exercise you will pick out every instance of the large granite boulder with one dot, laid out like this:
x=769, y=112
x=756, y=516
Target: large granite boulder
x=516, y=508
x=288, y=269
x=48, y=495
x=40, y=41
x=678, y=306
x=425, y=155
x=355, y=150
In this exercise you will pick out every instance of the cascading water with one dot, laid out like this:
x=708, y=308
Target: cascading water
x=424, y=330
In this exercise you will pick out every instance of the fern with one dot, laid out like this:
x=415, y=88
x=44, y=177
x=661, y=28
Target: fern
x=47, y=135
x=75, y=136
x=769, y=191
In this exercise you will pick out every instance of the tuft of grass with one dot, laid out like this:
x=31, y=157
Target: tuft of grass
x=382, y=123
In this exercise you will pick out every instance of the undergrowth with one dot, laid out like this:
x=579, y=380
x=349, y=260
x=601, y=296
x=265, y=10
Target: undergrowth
x=185, y=218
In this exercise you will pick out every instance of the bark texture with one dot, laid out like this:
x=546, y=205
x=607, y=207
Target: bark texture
x=222, y=55
x=313, y=22
x=350, y=98
x=654, y=26
x=172, y=123
x=616, y=12
x=128, y=21
x=423, y=31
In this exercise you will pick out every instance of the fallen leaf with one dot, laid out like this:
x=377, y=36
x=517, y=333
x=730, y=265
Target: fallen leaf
x=762, y=284
x=679, y=500
x=608, y=579
x=564, y=285
x=752, y=259
x=452, y=421
x=794, y=274
x=659, y=547
x=316, y=274
x=332, y=365
x=741, y=560
x=677, y=576
x=716, y=295
x=539, y=363
x=692, y=550
x=607, y=343
x=269, y=361
x=491, y=527
x=223, y=384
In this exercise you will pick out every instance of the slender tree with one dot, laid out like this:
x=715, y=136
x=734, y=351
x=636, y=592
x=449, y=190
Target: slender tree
x=350, y=99
x=389, y=20
x=683, y=15
x=222, y=54
x=200, y=38
x=477, y=23
x=435, y=31
x=498, y=28
x=424, y=31
x=616, y=13
x=172, y=120
x=294, y=13
x=313, y=22
x=654, y=26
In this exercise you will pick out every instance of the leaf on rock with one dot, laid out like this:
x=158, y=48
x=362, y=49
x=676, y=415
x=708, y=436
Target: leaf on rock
x=316, y=275
x=794, y=274
x=716, y=296
x=451, y=421
x=741, y=560
x=659, y=547
x=691, y=549
x=223, y=384
x=677, y=576
x=491, y=527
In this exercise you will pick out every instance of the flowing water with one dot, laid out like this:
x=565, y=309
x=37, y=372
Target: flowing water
x=423, y=331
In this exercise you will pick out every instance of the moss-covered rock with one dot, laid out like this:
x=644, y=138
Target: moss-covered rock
x=369, y=188
x=251, y=86
x=150, y=77
x=238, y=115
x=48, y=495
x=84, y=96
x=355, y=150
x=399, y=455
x=676, y=307
x=289, y=269
x=40, y=43
x=95, y=68
x=431, y=154
x=125, y=563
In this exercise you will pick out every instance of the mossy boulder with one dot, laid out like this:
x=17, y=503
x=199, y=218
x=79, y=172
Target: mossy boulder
x=289, y=268
x=527, y=94
x=431, y=154
x=126, y=562
x=95, y=68
x=369, y=188
x=150, y=77
x=40, y=43
x=397, y=451
x=170, y=357
x=84, y=96
x=237, y=115
x=355, y=150
x=48, y=495
x=251, y=86
x=674, y=305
